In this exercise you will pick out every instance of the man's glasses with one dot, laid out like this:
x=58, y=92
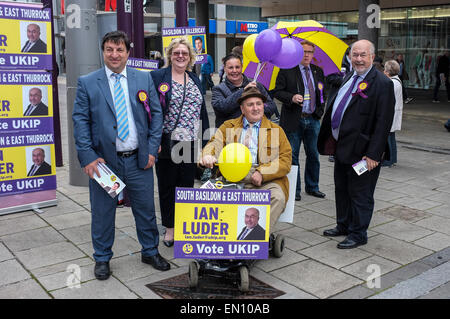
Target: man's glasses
x=182, y=53
x=308, y=52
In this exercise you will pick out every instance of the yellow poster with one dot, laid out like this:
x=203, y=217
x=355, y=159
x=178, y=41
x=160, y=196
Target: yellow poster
x=221, y=223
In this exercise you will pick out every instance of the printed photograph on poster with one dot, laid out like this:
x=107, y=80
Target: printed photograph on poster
x=38, y=160
x=251, y=223
x=35, y=100
x=109, y=181
x=33, y=36
x=198, y=45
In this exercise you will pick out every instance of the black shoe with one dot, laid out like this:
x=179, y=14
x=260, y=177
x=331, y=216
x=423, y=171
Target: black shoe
x=101, y=270
x=334, y=232
x=350, y=243
x=447, y=127
x=298, y=197
x=168, y=243
x=318, y=194
x=157, y=262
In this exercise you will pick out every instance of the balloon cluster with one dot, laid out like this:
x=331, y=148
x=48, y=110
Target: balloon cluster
x=268, y=46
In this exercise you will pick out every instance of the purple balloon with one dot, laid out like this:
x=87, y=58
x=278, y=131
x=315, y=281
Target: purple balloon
x=267, y=45
x=290, y=55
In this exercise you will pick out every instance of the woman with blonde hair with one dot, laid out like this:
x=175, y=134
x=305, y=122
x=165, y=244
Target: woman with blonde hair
x=184, y=112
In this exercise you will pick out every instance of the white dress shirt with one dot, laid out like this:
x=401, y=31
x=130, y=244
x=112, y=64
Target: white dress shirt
x=131, y=142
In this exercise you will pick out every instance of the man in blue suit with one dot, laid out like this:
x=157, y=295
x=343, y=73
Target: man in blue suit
x=111, y=126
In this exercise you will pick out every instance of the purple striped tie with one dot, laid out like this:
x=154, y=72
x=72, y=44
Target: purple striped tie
x=336, y=120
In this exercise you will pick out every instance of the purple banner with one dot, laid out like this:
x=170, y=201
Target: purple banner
x=26, y=61
x=143, y=64
x=26, y=185
x=222, y=196
x=221, y=250
x=27, y=78
x=25, y=132
x=30, y=12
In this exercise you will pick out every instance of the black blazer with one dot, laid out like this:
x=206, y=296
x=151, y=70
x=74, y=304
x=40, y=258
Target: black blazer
x=38, y=47
x=366, y=122
x=258, y=233
x=290, y=82
x=165, y=76
x=40, y=110
x=44, y=169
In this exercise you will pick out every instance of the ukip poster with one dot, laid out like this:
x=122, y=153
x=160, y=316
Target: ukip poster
x=221, y=223
x=27, y=161
x=197, y=36
x=25, y=37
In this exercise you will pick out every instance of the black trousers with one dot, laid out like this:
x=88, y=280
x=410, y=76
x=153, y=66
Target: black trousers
x=170, y=176
x=354, y=199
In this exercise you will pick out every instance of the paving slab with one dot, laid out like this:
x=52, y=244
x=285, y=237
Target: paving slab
x=289, y=257
x=364, y=269
x=65, y=278
x=96, y=289
x=403, y=230
x=395, y=250
x=5, y=254
x=330, y=255
x=11, y=271
x=49, y=255
x=32, y=238
x=302, y=235
x=20, y=224
x=311, y=220
x=418, y=286
x=316, y=279
x=436, y=242
x=69, y=220
x=436, y=223
x=27, y=289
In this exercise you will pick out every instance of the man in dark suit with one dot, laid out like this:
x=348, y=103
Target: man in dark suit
x=36, y=107
x=111, y=126
x=301, y=90
x=355, y=127
x=40, y=166
x=34, y=43
x=252, y=230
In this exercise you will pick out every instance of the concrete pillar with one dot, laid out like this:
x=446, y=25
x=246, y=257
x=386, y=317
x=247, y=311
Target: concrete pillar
x=221, y=34
x=83, y=57
x=369, y=21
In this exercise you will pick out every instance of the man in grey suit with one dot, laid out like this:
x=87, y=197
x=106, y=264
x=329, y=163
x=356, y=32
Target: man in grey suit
x=111, y=126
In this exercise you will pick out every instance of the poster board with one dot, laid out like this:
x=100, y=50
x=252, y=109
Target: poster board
x=210, y=223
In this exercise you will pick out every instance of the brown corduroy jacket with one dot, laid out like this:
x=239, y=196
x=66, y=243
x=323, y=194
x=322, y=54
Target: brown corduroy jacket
x=274, y=149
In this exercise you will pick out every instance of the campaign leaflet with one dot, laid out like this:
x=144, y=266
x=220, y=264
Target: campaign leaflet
x=212, y=223
x=109, y=181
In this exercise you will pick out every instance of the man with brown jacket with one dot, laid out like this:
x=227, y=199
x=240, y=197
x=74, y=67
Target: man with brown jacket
x=268, y=144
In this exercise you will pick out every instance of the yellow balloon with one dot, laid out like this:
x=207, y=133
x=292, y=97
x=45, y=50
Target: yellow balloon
x=235, y=162
x=248, y=49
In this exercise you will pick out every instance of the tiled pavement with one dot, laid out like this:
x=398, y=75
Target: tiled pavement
x=407, y=255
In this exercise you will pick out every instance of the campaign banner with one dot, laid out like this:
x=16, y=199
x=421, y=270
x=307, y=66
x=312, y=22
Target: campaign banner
x=27, y=153
x=197, y=36
x=25, y=37
x=142, y=64
x=221, y=223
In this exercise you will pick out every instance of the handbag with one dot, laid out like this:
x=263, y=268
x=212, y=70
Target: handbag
x=166, y=139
